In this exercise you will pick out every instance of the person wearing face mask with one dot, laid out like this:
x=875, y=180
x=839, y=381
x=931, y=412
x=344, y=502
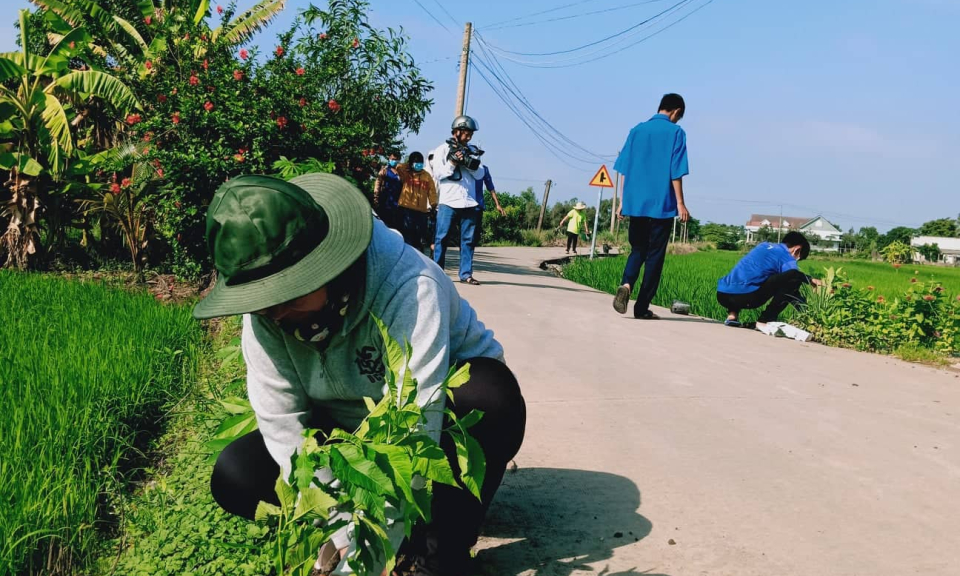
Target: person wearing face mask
x=768, y=273
x=456, y=174
x=386, y=193
x=309, y=268
x=417, y=197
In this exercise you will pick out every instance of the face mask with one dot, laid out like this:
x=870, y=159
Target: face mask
x=418, y=166
x=393, y=163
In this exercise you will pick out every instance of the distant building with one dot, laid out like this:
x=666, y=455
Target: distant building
x=949, y=248
x=822, y=234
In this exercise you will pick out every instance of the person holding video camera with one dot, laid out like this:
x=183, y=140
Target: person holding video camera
x=456, y=167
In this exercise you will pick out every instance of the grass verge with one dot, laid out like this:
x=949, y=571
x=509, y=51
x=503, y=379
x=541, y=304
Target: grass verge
x=86, y=375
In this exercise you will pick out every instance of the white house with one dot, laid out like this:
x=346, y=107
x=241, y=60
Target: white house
x=949, y=248
x=818, y=228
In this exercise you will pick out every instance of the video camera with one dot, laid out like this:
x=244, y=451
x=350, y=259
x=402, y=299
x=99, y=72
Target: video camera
x=471, y=155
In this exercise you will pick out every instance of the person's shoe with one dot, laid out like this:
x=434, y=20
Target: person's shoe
x=622, y=298
x=471, y=280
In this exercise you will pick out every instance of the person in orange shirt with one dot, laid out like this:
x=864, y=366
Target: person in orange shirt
x=418, y=196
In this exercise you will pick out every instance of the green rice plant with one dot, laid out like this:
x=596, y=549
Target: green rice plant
x=86, y=373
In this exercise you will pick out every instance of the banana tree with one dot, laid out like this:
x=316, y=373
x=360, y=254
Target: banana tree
x=36, y=132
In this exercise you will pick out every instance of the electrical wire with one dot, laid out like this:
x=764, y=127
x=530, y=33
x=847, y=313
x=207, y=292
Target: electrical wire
x=447, y=12
x=600, y=41
x=572, y=16
x=557, y=9
x=605, y=52
x=435, y=19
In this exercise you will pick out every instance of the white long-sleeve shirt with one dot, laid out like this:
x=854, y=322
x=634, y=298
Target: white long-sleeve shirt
x=453, y=192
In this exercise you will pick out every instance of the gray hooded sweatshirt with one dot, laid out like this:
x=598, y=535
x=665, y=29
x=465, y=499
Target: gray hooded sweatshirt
x=286, y=378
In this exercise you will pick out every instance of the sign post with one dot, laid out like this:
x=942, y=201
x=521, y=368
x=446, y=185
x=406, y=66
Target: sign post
x=601, y=180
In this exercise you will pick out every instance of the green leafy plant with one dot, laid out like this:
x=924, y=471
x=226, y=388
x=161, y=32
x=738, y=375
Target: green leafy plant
x=383, y=472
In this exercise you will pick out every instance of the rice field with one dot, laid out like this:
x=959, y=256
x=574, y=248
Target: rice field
x=85, y=375
x=693, y=277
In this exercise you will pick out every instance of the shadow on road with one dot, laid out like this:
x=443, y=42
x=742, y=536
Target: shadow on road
x=558, y=522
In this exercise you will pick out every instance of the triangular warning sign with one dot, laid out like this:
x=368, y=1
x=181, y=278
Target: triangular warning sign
x=602, y=178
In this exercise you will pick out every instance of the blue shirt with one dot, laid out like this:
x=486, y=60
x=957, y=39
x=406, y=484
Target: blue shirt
x=654, y=155
x=764, y=261
x=481, y=182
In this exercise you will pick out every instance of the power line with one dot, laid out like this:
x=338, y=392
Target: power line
x=603, y=52
x=447, y=12
x=557, y=9
x=600, y=41
x=435, y=19
x=572, y=16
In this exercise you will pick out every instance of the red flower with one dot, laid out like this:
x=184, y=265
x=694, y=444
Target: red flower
x=203, y=37
x=177, y=204
x=148, y=136
x=194, y=80
x=206, y=65
x=161, y=98
x=322, y=36
x=208, y=106
x=146, y=150
x=282, y=122
x=72, y=44
x=333, y=105
x=186, y=36
x=148, y=20
x=219, y=9
x=301, y=71
x=897, y=265
x=126, y=182
x=279, y=51
x=238, y=157
x=148, y=65
x=880, y=299
x=210, y=88
x=115, y=188
x=160, y=172
x=237, y=75
x=303, y=102
x=938, y=289
x=356, y=42
x=909, y=298
x=242, y=150
x=133, y=119
x=913, y=280
x=845, y=285
x=929, y=298
x=870, y=288
x=958, y=297
x=303, y=127
x=244, y=54
x=175, y=118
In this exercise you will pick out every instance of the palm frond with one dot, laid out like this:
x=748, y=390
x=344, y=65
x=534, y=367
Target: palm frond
x=202, y=8
x=146, y=8
x=100, y=85
x=132, y=32
x=55, y=119
x=69, y=13
x=250, y=22
x=10, y=69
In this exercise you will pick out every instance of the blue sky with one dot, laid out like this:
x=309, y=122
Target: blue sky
x=842, y=108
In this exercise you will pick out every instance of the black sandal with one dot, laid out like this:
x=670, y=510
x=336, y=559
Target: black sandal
x=471, y=280
x=648, y=315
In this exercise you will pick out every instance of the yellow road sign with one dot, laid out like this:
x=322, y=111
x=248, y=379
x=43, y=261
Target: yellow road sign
x=602, y=178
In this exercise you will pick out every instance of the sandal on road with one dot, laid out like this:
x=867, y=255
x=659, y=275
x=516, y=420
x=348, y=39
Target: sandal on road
x=622, y=298
x=471, y=280
x=732, y=323
x=648, y=315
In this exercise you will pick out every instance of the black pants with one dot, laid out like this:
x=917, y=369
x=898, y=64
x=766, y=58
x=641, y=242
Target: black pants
x=413, y=227
x=780, y=290
x=648, y=248
x=245, y=473
x=572, y=241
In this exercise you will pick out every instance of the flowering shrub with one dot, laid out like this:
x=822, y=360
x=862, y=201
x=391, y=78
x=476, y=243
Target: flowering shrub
x=213, y=110
x=838, y=314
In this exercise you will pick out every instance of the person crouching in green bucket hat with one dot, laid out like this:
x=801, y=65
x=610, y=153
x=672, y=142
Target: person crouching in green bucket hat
x=308, y=267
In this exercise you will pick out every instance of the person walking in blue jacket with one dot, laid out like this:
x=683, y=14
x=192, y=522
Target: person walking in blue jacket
x=653, y=162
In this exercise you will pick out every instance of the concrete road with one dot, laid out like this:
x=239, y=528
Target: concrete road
x=682, y=447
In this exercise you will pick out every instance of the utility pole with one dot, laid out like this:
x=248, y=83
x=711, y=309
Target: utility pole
x=464, y=67
x=543, y=206
x=613, y=207
x=780, y=228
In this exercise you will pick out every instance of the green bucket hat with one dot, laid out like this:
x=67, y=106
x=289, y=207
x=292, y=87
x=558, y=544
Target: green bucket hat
x=273, y=241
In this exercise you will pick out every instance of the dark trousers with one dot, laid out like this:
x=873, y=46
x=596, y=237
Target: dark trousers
x=572, y=241
x=413, y=227
x=245, y=473
x=779, y=289
x=648, y=248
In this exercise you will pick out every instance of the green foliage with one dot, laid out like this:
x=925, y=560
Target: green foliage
x=693, y=278
x=723, y=236
x=942, y=227
x=923, y=316
x=897, y=252
x=930, y=252
x=384, y=473
x=900, y=234
x=86, y=373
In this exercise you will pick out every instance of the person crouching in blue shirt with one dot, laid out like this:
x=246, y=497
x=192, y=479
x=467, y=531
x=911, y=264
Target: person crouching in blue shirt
x=653, y=161
x=768, y=273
